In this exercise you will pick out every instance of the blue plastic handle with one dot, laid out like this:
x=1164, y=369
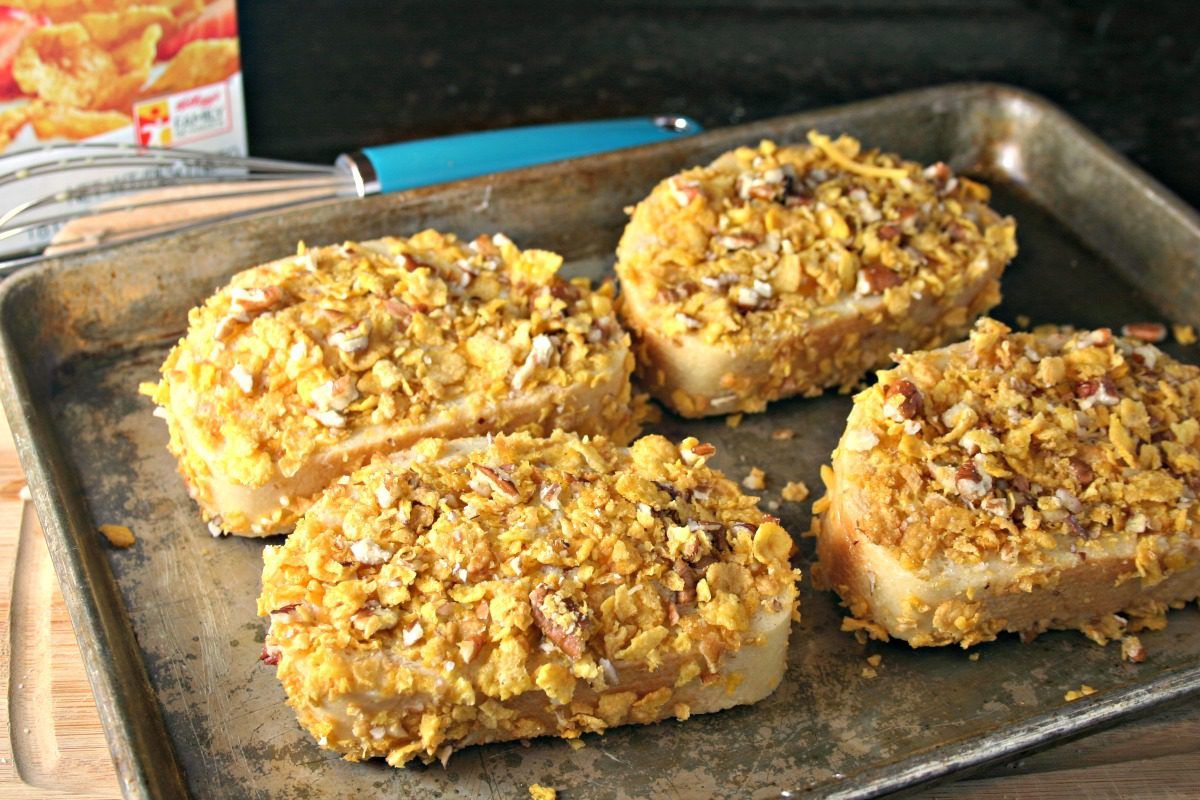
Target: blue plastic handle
x=450, y=158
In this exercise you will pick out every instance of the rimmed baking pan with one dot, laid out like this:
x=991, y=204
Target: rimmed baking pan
x=168, y=628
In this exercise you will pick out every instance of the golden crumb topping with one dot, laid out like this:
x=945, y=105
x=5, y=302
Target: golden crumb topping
x=480, y=573
x=761, y=239
x=302, y=352
x=118, y=535
x=1015, y=444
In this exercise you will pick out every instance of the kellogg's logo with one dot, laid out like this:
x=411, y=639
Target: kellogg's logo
x=184, y=117
x=153, y=123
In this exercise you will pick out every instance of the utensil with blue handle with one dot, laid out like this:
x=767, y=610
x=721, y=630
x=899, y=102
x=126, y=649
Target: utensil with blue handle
x=394, y=167
x=88, y=195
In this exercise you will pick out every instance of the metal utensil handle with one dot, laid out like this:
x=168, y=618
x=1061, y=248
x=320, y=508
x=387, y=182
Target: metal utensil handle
x=393, y=167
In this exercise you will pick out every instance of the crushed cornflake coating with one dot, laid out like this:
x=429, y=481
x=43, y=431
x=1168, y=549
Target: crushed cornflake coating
x=1184, y=334
x=795, y=491
x=118, y=535
x=1015, y=422
x=1026, y=455
x=539, y=792
x=532, y=586
x=769, y=244
x=314, y=351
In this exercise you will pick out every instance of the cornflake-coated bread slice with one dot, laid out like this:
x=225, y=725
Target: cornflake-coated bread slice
x=299, y=370
x=1016, y=482
x=479, y=591
x=778, y=271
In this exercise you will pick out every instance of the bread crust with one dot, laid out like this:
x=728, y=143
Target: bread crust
x=1097, y=590
x=462, y=593
x=1096, y=578
x=697, y=379
x=300, y=369
x=778, y=271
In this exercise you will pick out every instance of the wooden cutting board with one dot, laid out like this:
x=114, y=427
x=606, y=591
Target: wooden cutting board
x=55, y=728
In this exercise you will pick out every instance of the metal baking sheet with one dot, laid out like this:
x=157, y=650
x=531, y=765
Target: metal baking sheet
x=168, y=629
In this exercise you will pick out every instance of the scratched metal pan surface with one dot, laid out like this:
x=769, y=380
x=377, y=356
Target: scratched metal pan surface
x=168, y=627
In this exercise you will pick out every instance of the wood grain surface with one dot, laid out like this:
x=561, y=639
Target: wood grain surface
x=1157, y=757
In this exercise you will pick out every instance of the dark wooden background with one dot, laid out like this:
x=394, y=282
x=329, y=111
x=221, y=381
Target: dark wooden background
x=325, y=76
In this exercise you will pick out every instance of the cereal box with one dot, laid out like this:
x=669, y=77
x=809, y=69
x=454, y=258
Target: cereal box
x=151, y=72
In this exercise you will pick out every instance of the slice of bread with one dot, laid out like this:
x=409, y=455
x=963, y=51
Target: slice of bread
x=479, y=591
x=1016, y=482
x=298, y=370
x=777, y=271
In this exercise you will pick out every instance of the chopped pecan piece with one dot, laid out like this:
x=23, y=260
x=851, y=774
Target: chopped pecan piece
x=911, y=406
x=399, y=309
x=352, y=338
x=559, y=620
x=498, y=481
x=683, y=191
x=248, y=302
x=335, y=395
x=408, y=263
x=1153, y=332
x=1082, y=472
x=971, y=483
x=691, y=574
x=563, y=290
x=737, y=242
x=484, y=245
x=1097, y=390
x=1101, y=337
x=677, y=293
x=270, y=655
x=747, y=299
x=1132, y=649
x=875, y=278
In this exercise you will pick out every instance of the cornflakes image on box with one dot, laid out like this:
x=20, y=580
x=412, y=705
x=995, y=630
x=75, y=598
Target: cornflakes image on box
x=151, y=72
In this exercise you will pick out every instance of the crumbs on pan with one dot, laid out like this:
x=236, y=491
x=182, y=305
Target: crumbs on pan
x=756, y=480
x=1184, y=334
x=118, y=535
x=733, y=420
x=539, y=792
x=795, y=491
x=452, y=562
x=1132, y=649
x=1075, y=694
x=782, y=434
x=872, y=668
